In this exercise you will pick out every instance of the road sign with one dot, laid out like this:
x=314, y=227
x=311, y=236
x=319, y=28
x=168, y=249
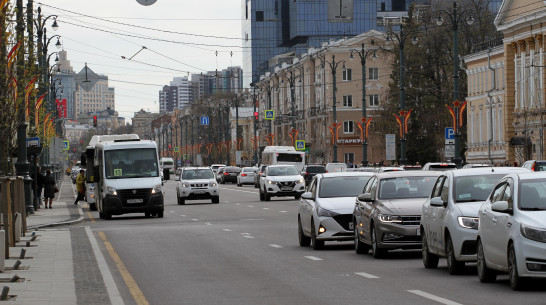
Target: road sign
x=33, y=141
x=450, y=133
x=179, y=163
x=176, y=149
x=66, y=145
x=270, y=114
x=185, y=156
x=390, y=147
x=450, y=151
x=300, y=144
x=204, y=120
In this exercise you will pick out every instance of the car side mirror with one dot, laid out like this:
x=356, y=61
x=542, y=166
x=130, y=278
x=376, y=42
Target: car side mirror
x=366, y=197
x=438, y=202
x=501, y=207
x=307, y=195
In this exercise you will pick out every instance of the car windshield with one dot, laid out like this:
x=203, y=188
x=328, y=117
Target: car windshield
x=191, y=174
x=475, y=188
x=532, y=195
x=130, y=163
x=289, y=157
x=442, y=167
x=282, y=171
x=315, y=169
x=342, y=186
x=406, y=187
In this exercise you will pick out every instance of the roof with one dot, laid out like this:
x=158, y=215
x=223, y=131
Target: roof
x=397, y=174
x=347, y=174
x=487, y=170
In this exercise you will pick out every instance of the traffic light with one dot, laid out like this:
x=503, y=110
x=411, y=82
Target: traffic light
x=256, y=115
x=170, y=147
x=95, y=121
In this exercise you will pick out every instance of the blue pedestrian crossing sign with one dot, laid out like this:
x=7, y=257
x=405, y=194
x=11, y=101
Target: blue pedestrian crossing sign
x=205, y=120
x=270, y=114
x=176, y=149
x=300, y=144
x=66, y=145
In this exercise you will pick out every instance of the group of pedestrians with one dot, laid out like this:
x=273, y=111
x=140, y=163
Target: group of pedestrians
x=46, y=183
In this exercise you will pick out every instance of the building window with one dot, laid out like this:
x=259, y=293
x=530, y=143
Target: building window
x=347, y=101
x=374, y=100
x=347, y=74
x=259, y=16
x=373, y=73
x=348, y=127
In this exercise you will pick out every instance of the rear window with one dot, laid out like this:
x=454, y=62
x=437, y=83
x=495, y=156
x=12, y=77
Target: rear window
x=232, y=169
x=315, y=169
x=442, y=167
x=284, y=157
x=249, y=170
x=540, y=166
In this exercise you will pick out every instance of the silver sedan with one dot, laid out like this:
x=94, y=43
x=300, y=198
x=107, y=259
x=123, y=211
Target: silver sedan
x=326, y=209
x=246, y=176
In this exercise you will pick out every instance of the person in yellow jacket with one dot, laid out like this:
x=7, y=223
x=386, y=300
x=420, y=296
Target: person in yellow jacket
x=80, y=186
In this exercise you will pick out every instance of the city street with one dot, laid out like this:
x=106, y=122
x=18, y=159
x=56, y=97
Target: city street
x=243, y=251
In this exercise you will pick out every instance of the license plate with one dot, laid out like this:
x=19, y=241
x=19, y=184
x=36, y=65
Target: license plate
x=199, y=192
x=418, y=231
x=135, y=200
x=286, y=188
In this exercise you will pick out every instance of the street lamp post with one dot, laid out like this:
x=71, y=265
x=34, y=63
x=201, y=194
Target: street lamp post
x=455, y=18
x=333, y=67
x=401, y=39
x=254, y=102
x=292, y=81
x=363, y=55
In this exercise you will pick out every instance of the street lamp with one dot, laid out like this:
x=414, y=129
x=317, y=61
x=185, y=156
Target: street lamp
x=401, y=39
x=292, y=82
x=363, y=55
x=455, y=18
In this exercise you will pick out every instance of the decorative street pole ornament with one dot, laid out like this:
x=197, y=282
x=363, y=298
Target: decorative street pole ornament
x=294, y=135
x=402, y=121
x=364, y=129
x=146, y=2
x=334, y=131
x=457, y=114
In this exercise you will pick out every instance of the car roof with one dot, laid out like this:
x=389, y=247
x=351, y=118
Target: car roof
x=281, y=165
x=195, y=167
x=346, y=174
x=487, y=170
x=398, y=174
x=532, y=175
x=313, y=165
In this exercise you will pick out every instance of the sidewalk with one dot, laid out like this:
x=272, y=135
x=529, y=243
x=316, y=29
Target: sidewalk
x=46, y=271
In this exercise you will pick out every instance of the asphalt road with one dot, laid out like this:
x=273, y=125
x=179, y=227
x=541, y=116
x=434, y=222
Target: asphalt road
x=243, y=251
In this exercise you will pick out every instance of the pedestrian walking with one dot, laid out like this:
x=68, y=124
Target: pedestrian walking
x=39, y=184
x=80, y=186
x=49, y=189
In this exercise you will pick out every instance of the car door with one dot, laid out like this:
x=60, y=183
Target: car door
x=430, y=220
x=488, y=221
x=502, y=224
x=307, y=208
x=367, y=208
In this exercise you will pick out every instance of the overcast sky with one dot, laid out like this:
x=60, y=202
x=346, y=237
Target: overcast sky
x=181, y=36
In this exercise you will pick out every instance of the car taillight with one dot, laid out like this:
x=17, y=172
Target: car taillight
x=533, y=168
x=226, y=173
x=243, y=175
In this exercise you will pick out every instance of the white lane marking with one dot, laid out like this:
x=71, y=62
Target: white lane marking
x=248, y=236
x=266, y=208
x=236, y=203
x=367, y=275
x=250, y=206
x=227, y=230
x=433, y=297
x=208, y=223
x=235, y=190
x=111, y=288
x=182, y=215
x=284, y=211
x=253, y=219
x=313, y=258
x=275, y=246
x=171, y=211
x=195, y=219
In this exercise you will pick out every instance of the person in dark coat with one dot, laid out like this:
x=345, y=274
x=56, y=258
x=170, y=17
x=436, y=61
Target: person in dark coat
x=49, y=188
x=39, y=184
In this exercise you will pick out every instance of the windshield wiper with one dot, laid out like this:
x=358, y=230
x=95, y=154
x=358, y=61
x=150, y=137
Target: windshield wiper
x=533, y=209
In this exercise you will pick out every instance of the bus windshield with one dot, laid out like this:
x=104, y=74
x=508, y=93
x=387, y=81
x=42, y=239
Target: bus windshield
x=130, y=163
x=286, y=157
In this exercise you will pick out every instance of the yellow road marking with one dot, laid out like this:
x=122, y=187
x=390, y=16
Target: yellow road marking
x=89, y=215
x=137, y=294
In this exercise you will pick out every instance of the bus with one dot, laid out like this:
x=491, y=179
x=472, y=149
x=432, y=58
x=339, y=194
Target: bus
x=273, y=155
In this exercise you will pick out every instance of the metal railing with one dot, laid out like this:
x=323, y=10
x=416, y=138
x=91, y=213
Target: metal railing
x=12, y=207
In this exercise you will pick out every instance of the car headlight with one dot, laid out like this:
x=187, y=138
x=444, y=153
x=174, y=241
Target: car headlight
x=469, y=222
x=271, y=182
x=156, y=189
x=111, y=191
x=389, y=218
x=212, y=184
x=301, y=181
x=185, y=185
x=325, y=213
x=531, y=233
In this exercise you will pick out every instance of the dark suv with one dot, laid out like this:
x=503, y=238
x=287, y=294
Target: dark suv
x=230, y=174
x=311, y=170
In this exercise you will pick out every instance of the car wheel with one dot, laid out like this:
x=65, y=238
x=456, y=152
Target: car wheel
x=256, y=185
x=429, y=260
x=181, y=201
x=147, y=214
x=266, y=196
x=317, y=244
x=516, y=282
x=376, y=251
x=216, y=199
x=160, y=214
x=93, y=206
x=107, y=215
x=485, y=274
x=297, y=197
x=360, y=247
x=304, y=240
x=453, y=266
x=239, y=184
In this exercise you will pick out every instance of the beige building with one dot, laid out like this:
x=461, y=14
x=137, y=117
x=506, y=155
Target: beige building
x=142, y=123
x=301, y=95
x=510, y=115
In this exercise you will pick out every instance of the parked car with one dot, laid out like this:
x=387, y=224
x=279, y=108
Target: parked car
x=259, y=174
x=197, y=183
x=512, y=232
x=449, y=218
x=535, y=165
x=229, y=174
x=326, y=210
x=439, y=166
x=309, y=171
x=281, y=180
x=216, y=167
x=336, y=167
x=387, y=214
x=246, y=176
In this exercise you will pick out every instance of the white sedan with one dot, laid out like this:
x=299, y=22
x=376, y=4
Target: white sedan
x=246, y=176
x=512, y=232
x=326, y=209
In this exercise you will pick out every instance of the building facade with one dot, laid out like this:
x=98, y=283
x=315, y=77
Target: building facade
x=99, y=98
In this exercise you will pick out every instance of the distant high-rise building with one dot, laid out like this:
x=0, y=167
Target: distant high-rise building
x=65, y=74
x=176, y=95
x=101, y=97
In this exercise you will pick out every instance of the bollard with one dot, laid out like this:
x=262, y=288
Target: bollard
x=16, y=265
x=17, y=228
x=14, y=279
x=4, y=295
x=33, y=238
x=23, y=252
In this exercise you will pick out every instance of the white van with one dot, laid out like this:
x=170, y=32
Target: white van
x=167, y=163
x=336, y=167
x=127, y=178
x=286, y=155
